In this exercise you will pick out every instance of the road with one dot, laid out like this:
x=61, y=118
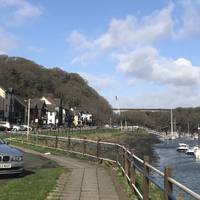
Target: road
x=32, y=163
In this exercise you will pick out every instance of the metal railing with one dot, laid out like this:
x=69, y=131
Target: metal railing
x=139, y=173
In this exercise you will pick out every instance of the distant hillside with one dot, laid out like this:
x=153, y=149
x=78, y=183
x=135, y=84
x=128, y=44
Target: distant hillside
x=29, y=79
x=185, y=119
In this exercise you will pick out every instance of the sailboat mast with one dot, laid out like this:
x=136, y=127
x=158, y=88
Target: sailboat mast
x=119, y=112
x=172, y=122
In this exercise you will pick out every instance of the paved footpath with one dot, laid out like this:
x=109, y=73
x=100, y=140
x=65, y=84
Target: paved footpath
x=86, y=181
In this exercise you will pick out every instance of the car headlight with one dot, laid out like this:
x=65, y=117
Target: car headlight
x=17, y=158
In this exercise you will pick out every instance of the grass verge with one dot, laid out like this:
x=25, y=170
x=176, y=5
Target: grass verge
x=154, y=192
x=36, y=186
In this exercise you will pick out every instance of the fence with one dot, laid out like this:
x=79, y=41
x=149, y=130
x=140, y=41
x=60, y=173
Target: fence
x=65, y=132
x=139, y=173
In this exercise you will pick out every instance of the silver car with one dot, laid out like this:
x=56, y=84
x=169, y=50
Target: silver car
x=11, y=159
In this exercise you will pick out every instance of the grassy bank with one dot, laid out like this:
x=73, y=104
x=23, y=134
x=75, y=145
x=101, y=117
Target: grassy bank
x=94, y=134
x=111, y=135
x=35, y=186
x=155, y=194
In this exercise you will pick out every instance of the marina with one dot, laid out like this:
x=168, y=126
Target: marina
x=184, y=165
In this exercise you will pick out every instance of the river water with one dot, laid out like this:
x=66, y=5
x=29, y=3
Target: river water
x=186, y=169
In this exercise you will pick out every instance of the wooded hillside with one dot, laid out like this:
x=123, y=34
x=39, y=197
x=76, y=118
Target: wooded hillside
x=29, y=80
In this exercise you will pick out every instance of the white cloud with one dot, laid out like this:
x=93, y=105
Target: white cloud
x=84, y=47
x=79, y=41
x=190, y=19
x=132, y=32
x=178, y=20
x=7, y=41
x=124, y=34
x=146, y=63
x=15, y=12
x=22, y=10
x=100, y=82
x=131, y=40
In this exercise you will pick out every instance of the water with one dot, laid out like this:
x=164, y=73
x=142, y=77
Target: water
x=186, y=169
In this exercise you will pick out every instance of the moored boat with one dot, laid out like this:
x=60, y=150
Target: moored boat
x=192, y=150
x=182, y=147
x=197, y=153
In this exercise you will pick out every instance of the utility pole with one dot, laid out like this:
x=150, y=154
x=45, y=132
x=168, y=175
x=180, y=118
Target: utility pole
x=117, y=102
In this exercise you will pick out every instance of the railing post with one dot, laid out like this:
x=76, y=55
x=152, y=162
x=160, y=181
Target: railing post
x=56, y=142
x=36, y=137
x=168, y=187
x=84, y=145
x=46, y=141
x=117, y=153
x=145, y=179
x=123, y=158
x=126, y=165
x=22, y=138
x=133, y=170
x=69, y=142
x=98, y=148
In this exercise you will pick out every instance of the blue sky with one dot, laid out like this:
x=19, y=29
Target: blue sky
x=144, y=52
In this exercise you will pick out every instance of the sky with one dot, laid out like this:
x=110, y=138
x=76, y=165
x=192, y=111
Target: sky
x=144, y=52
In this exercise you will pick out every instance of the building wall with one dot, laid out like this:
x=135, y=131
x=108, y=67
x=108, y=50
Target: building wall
x=7, y=106
x=51, y=118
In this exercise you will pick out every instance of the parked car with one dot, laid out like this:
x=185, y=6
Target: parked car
x=11, y=159
x=15, y=127
x=4, y=125
x=25, y=128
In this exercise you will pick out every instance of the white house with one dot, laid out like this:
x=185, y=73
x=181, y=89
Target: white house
x=86, y=118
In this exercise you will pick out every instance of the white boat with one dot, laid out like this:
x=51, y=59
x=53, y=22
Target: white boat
x=191, y=151
x=182, y=147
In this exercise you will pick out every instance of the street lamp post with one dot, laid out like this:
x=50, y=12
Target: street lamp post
x=28, y=121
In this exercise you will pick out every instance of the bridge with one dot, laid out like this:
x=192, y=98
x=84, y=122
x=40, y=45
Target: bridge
x=117, y=110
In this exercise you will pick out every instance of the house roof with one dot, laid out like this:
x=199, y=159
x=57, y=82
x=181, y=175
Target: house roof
x=40, y=103
x=52, y=100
